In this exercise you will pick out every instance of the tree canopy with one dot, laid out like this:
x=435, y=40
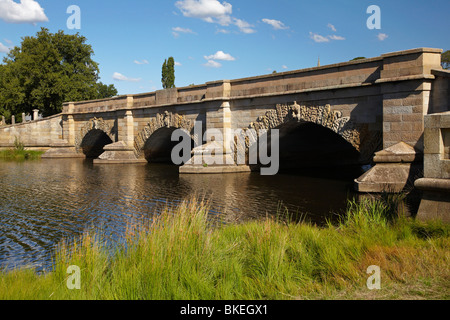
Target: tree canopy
x=168, y=73
x=48, y=70
x=358, y=58
x=105, y=91
x=446, y=60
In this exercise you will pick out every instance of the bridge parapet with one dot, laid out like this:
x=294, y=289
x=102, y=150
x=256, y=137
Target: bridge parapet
x=412, y=64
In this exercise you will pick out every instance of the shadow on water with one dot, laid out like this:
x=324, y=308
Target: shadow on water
x=45, y=201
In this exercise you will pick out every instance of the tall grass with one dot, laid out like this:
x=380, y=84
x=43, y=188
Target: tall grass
x=182, y=254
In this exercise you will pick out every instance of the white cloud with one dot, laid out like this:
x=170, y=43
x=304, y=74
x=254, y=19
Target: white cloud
x=27, y=11
x=208, y=10
x=141, y=62
x=178, y=64
x=220, y=55
x=334, y=37
x=284, y=67
x=8, y=41
x=177, y=30
x=183, y=30
x=225, y=31
x=333, y=28
x=276, y=24
x=3, y=48
x=212, y=64
x=318, y=38
x=213, y=11
x=244, y=26
x=121, y=77
x=382, y=36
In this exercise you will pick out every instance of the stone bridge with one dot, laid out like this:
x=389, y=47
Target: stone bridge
x=328, y=116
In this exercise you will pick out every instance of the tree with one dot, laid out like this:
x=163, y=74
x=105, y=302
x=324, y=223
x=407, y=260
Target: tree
x=105, y=91
x=46, y=71
x=168, y=73
x=358, y=58
x=445, y=60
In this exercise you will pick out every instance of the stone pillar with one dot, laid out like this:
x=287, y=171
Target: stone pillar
x=435, y=185
x=227, y=135
x=23, y=117
x=129, y=128
x=13, y=119
x=129, y=122
x=70, y=125
x=35, y=114
x=406, y=80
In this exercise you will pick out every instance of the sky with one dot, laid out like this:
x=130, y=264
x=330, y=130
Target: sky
x=215, y=40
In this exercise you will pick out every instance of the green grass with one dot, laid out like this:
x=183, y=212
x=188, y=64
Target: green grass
x=20, y=155
x=183, y=255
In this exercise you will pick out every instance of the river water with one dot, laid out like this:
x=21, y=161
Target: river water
x=43, y=202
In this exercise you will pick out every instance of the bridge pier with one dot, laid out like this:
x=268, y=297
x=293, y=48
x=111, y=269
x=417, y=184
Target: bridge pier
x=395, y=168
x=435, y=185
x=215, y=155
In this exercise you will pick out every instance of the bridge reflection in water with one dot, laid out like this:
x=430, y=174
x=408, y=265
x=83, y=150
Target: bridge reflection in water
x=43, y=202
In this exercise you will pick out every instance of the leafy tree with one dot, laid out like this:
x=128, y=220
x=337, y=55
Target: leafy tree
x=105, y=91
x=46, y=71
x=358, y=58
x=168, y=73
x=446, y=60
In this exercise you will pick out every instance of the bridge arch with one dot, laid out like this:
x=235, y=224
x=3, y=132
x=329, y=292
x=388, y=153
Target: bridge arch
x=319, y=115
x=93, y=136
x=154, y=141
x=316, y=136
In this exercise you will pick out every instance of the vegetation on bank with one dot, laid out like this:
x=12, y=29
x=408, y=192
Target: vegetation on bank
x=19, y=153
x=182, y=254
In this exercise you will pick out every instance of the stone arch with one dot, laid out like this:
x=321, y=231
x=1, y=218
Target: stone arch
x=357, y=135
x=94, y=124
x=164, y=120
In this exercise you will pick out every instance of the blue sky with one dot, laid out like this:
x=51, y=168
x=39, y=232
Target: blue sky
x=215, y=39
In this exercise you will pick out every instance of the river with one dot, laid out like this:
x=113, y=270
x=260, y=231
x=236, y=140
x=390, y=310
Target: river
x=45, y=201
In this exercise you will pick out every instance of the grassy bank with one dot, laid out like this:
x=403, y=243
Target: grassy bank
x=182, y=256
x=20, y=155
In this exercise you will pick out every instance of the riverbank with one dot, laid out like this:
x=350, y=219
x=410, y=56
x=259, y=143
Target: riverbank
x=20, y=155
x=183, y=255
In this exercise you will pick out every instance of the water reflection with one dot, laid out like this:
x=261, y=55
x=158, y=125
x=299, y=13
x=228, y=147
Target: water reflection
x=45, y=201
